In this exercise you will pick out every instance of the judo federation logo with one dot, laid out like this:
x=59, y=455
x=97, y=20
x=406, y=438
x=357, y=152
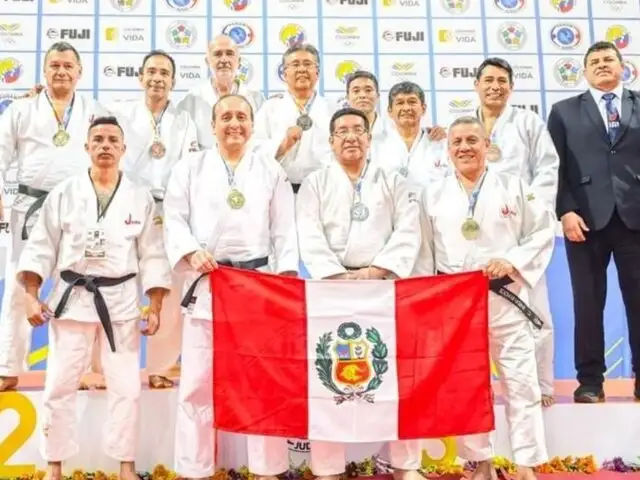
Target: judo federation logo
x=360, y=363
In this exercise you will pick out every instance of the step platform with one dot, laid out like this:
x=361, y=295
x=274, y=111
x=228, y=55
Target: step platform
x=605, y=430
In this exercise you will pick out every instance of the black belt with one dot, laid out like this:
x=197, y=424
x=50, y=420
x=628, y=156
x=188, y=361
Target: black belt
x=40, y=196
x=92, y=284
x=158, y=200
x=296, y=187
x=499, y=287
x=254, y=264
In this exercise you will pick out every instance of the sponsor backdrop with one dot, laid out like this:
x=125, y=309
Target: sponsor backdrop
x=436, y=43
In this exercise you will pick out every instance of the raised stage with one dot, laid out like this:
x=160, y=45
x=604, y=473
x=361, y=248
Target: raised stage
x=607, y=430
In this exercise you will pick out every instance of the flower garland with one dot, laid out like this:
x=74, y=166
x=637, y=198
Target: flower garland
x=376, y=466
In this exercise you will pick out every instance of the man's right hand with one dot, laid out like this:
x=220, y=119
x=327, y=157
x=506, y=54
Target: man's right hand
x=201, y=261
x=37, y=312
x=574, y=227
x=293, y=136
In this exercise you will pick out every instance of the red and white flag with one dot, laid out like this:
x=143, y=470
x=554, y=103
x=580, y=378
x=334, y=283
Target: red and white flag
x=351, y=361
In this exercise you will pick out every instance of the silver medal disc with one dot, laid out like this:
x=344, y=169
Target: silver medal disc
x=404, y=171
x=359, y=212
x=304, y=122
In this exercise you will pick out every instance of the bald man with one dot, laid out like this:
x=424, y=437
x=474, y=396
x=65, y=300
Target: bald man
x=223, y=58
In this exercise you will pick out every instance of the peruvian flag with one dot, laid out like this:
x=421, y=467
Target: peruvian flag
x=351, y=361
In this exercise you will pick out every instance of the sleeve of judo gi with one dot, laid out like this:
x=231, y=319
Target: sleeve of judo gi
x=532, y=255
x=178, y=238
x=401, y=250
x=40, y=253
x=282, y=224
x=8, y=140
x=544, y=162
x=315, y=252
x=155, y=271
x=564, y=201
x=425, y=264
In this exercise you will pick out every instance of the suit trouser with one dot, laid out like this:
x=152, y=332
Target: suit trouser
x=163, y=348
x=195, y=446
x=512, y=345
x=15, y=331
x=588, y=262
x=70, y=344
x=328, y=458
x=544, y=337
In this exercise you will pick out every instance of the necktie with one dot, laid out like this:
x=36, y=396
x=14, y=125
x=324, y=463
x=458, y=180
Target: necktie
x=613, y=116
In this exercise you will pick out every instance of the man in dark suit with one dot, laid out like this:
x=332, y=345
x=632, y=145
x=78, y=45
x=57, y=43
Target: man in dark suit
x=597, y=136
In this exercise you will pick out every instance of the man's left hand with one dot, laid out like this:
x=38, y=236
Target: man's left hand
x=497, y=268
x=437, y=133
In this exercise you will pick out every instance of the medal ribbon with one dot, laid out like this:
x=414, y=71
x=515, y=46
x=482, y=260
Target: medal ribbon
x=103, y=211
x=473, y=196
x=414, y=147
x=304, y=110
x=155, y=124
x=64, y=121
x=231, y=175
x=358, y=186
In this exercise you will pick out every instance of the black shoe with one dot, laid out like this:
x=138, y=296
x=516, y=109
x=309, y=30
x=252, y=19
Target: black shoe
x=589, y=394
x=636, y=391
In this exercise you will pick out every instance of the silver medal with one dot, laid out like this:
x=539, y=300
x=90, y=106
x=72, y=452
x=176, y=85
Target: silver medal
x=404, y=171
x=304, y=122
x=359, y=212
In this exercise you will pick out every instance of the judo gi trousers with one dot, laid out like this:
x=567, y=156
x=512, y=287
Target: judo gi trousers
x=195, y=436
x=70, y=345
x=15, y=331
x=328, y=458
x=512, y=345
x=544, y=337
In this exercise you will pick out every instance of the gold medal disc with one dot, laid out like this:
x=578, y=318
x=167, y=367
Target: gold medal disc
x=235, y=199
x=470, y=229
x=61, y=138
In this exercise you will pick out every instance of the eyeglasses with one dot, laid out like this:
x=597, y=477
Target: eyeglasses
x=305, y=65
x=356, y=132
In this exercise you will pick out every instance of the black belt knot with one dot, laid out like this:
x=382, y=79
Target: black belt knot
x=40, y=196
x=254, y=264
x=92, y=284
x=296, y=187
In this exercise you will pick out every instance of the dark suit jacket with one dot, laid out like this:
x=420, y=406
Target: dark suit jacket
x=596, y=177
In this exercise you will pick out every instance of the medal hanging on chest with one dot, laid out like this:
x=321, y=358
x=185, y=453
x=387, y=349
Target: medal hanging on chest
x=61, y=137
x=470, y=228
x=235, y=198
x=304, y=121
x=494, y=153
x=359, y=211
x=157, y=150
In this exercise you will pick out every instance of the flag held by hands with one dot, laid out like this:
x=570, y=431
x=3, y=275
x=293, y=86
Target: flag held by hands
x=351, y=361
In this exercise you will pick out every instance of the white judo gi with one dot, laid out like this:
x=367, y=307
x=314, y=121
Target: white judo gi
x=425, y=162
x=27, y=128
x=330, y=242
x=133, y=245
x=277, y=115
x=519, y=228
x=199, y=102
x=179, y=137
x=197, y=216
x=529, y=153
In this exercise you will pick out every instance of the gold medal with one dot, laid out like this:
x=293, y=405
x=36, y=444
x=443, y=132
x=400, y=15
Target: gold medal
x=157, y=150
x=61, y=138
x=235, y=199
x=494, y=153
x=470, y=229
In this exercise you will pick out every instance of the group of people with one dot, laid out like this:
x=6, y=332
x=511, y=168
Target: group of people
x=148, y=197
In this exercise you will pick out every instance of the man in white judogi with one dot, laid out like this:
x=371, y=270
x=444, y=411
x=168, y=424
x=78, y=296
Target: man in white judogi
x=45, y=135
x=224, y=206
x=223, y=59
x=357, y=222
x=481, y=219
x=158, y=136
x=413, y=150
x=521, y=145
x=293, y=127
x=363, y=93
x=95, y=235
